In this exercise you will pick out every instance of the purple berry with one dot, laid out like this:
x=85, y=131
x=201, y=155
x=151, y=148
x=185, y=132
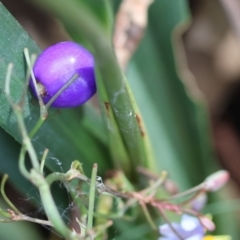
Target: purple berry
x=56, y=65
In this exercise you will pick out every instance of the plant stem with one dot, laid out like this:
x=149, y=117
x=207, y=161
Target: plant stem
x=187, y=192
x=43, y=160
x=63, y=177
x=29, y=64
x=64, y=87
x=35, y=175
x=92, y=197
x=18, y=112
x=170, y=224
x=21, y=163
x=6, y=199
x=49, y=204
x=148, y=216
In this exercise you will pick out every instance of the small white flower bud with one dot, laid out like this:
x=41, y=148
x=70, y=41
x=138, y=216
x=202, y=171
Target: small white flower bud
x=216, y=180
x=207, y=223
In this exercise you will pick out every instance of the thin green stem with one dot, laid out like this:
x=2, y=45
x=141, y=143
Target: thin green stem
x=21, y=217
x=34, y=220
x=5, y=214
x=21, y=163
x=148, y=216
x=6, y=199
x=45, y=108
x=92, y=197
x=28, y=61
x=146, y=191
x=37, y=127
x=187, y=192
x=170, y=224
x=78, y=166
x=26, y=139
x=57, y=176
x=63, y=177
x=27, y=80
x=189, y=200
x=63, y=88
x=45, y=153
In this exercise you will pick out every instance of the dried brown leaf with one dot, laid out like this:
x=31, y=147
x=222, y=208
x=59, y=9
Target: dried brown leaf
x=131, y=21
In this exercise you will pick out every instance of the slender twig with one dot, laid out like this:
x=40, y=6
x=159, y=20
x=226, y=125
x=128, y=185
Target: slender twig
x=28, y=61
x=191, y=211
x=156, y=184
x=36, y=220
x=189, y=191
x=26, y=139
x=43, y=110
x=170, y=224
x=21, y=163
x=27, y=80
x=37, y=126
x=6, y=199
x=43, y=160
x=148, y=216
x=189, y=200
x=43, y=107
x=22, y=217
x=147, y=173
x=63, y=88
x=146, y=191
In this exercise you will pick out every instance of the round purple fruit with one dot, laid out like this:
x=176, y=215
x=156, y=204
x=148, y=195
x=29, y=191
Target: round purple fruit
x=56, y=65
